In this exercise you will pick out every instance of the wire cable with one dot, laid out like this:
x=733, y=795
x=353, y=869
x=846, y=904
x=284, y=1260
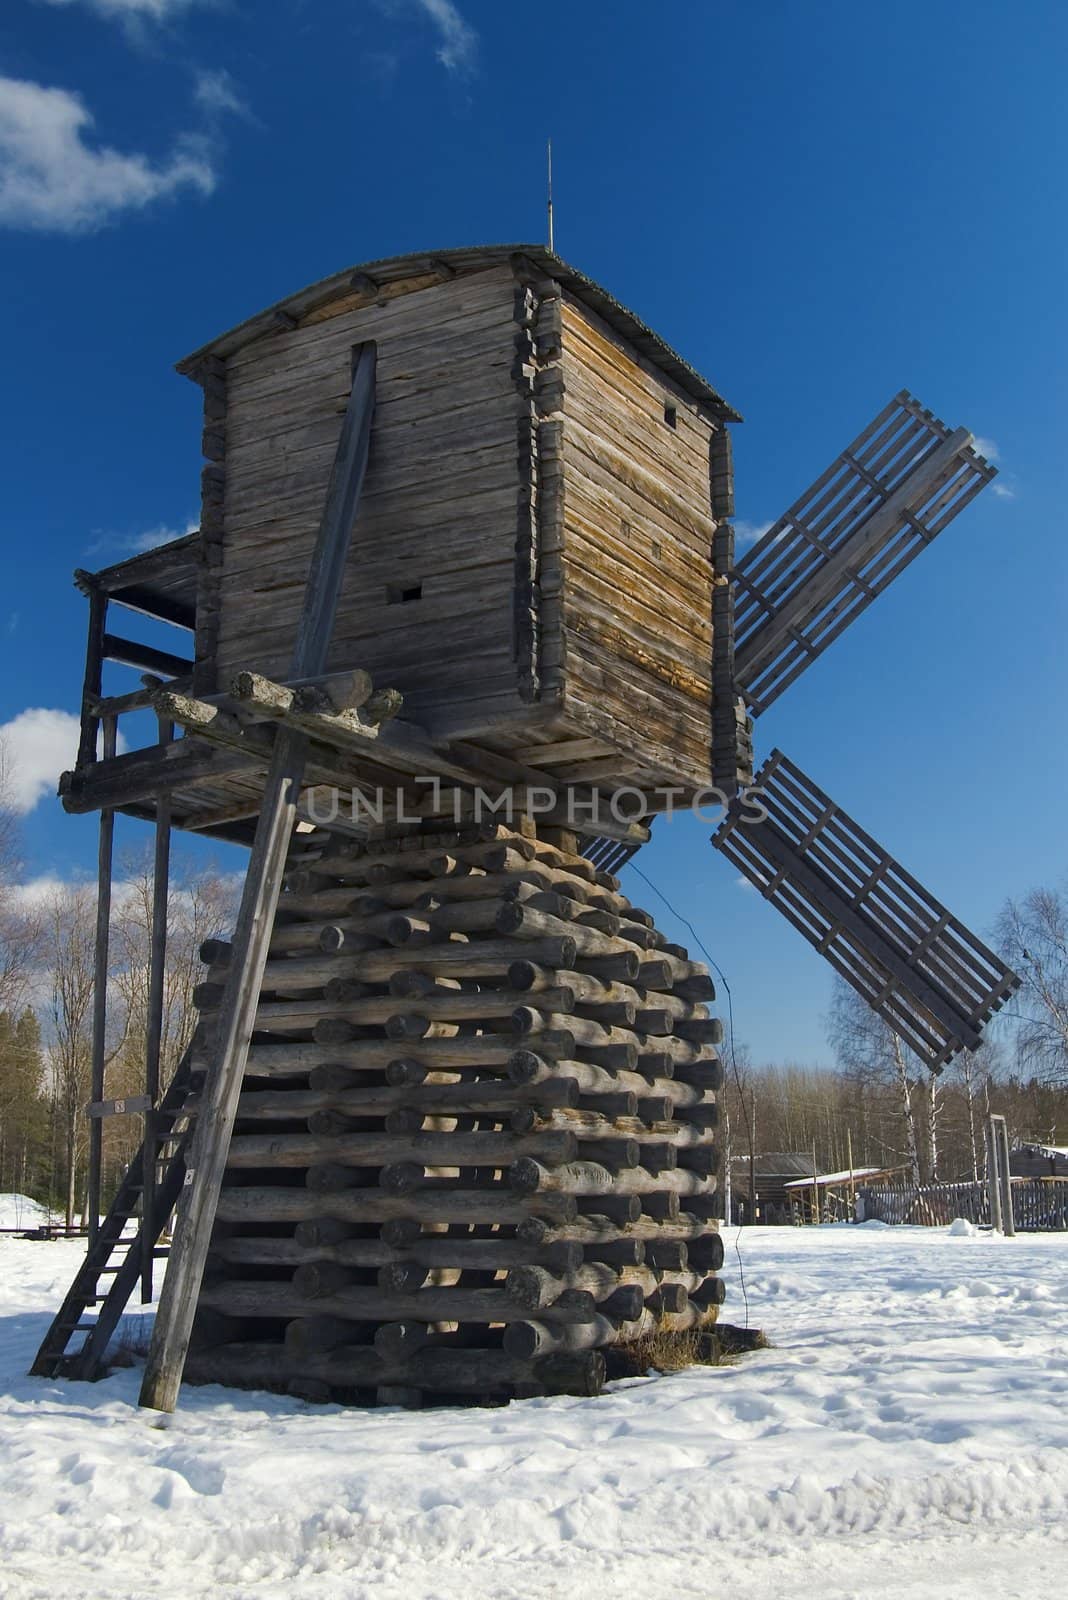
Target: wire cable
x=734, y=1060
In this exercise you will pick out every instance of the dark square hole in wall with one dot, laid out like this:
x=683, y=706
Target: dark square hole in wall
x=398, y=594
x=671, y=414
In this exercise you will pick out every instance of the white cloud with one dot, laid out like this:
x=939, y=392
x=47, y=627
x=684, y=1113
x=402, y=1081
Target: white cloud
x=38, y=892
x=457, y=40
x=743, y=883
x=1004, y=490
x=119, y=545
x=52, y=180
x=216, y=93
x=134, y=10
x=35, y=747
x=747, y=533
x=161, y=535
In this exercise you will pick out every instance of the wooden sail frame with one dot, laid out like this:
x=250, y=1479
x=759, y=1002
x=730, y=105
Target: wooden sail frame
x=883, y=500
x=915, y=964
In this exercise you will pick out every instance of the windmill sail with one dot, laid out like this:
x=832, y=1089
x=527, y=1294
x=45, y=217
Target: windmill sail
x=843, y=542
x=930, y=979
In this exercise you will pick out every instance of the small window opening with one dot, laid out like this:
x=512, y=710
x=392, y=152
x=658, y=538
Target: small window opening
x=671, y=414
x=398, y=594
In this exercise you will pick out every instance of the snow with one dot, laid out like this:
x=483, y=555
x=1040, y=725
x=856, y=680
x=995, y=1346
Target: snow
x=850, y=1175
x=961, y=1228
x=906, y=1436
x=19, y=1211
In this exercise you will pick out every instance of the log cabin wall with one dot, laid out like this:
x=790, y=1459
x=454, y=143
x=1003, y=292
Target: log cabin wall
x=532, y=566
x=431, y=574
x=636, y=570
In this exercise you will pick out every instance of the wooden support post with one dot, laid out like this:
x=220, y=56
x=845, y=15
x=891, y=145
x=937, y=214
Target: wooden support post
x=94, y=662
x=237, y=1012
x=852, y=1182
x=161, y=869
x=752, y=1158
x=993, y=1163
x=999, y=1139
x=105, y=851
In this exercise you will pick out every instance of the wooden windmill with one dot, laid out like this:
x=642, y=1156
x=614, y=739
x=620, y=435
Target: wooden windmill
x=447, y=1126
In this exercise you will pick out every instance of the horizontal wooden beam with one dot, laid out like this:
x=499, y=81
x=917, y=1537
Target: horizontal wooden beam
x=142, y=774
x=402, y=749
x=150, y=603
x=161, y=562
x=119, y=1108
x=131, y=653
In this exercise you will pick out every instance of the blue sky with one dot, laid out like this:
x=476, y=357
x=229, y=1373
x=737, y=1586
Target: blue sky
x=817, y=204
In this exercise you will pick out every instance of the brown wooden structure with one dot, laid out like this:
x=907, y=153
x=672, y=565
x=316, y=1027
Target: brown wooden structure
x=465, y=554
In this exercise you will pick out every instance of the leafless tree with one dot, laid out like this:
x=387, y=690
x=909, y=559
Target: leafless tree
x=864, y=1044
x=1033, y=937
x=19, y=925
x=69, y=920
x=200, y=905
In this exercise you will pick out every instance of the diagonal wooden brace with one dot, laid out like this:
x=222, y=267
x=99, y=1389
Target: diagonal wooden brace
x=259, y=900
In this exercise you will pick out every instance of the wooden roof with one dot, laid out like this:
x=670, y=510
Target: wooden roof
x=447, y=264
x=161, y=582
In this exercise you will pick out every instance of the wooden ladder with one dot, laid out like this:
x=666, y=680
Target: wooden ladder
x=116, y=1254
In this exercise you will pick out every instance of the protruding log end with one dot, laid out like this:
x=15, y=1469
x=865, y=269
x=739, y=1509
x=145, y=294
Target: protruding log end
x=216, y=952
x=400, y=1177
x=582, y=1374
x=403, y=1074
x=315, y=1279
x=383, y=705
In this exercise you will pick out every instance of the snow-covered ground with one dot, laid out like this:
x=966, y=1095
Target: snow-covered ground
x=19, y=1211
x=907, y=1436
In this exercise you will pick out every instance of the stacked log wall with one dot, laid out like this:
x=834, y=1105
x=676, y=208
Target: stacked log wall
x=476, y=1144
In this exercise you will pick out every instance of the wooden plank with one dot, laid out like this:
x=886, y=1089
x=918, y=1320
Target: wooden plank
x=845, y=540
x=157, y=964
x=98, y=1045
x=218, y=1107
x=131, y=653
x=94, y=658
x=130, y=1106
x=913, y=974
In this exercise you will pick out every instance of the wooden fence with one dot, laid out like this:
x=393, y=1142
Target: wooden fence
x=1040, y=1205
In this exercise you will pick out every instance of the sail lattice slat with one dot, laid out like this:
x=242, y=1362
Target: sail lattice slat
x=932, y=980
x=890, y=493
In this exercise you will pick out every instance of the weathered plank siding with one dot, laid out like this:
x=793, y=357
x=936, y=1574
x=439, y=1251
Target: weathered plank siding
x=635, y=573
x=532, y=565
x=439, y=507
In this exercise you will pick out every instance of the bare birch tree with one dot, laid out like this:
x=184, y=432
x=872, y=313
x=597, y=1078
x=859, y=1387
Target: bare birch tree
x=1033, y=937
x=19, y=924
x=864, y=1043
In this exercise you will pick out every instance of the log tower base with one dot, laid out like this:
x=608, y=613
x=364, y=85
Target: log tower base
x=476, y=1139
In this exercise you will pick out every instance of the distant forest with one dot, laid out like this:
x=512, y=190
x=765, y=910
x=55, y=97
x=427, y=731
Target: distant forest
x=873, y=1101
